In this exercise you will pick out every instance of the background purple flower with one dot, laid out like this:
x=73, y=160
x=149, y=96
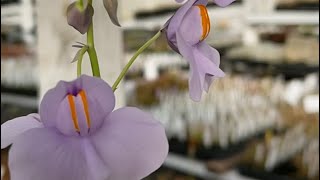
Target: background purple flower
x=78, y=137
x=185, y=32
x=221, y=3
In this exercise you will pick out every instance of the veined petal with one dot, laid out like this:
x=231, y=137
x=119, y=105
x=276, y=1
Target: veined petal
x=100, y=100
x=207, y=68
x=50, y=103
x=11, y=129
x=131, y=143
x=100, y=97
x=195, y=85
x=175, y=20
x=223, y=3
x=45, y=154
x=173, y=24
x=112, y=6
x=213, y=55
x=204, y=66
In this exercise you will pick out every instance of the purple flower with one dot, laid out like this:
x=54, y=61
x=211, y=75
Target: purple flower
x=186, y=31
x=76, y=136
x=79, y=18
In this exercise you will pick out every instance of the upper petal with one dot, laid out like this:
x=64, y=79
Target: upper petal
x=10, y=130
x=223, y=3
x=54, y=157
x=175, y=20
x=173, y=24
x=131, y=143
x=191, y=26
x=100, y=100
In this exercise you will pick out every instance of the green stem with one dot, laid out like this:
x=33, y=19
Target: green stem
x=80, y=4
x=82, y=51
x=134, y=57
x=92, y=51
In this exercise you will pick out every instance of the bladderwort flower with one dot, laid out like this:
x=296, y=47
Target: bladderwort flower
x=78, y=136
x=79, y=14
x=186, y=32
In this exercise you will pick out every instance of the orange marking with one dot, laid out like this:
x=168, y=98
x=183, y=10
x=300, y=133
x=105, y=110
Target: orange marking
x=73, y=112
x=85, y=106
x=205, y=21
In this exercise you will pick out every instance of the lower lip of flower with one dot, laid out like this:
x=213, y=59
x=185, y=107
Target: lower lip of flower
x=205, y=20
x=74, y=112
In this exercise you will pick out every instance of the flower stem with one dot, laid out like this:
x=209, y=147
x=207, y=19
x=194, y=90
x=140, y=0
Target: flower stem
x=91, y=50
x=80, y=4
x=134, y=57
x=83, y=50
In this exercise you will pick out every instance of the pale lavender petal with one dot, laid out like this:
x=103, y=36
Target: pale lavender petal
x=195, y=85
x=209, y=52
x=191, y=26
x=201, y=67
x=99, y=94
x=207, y=66
x=44, y=154
x=174, y=23
x=11, y=129
x=131, y=143
x=223, y=3
x=184, y=48
x=213, y=55
x=176, y=19
x=51, y=102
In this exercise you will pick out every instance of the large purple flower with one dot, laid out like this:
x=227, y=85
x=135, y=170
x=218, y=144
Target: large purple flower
x=76, y=136
x=186, y=31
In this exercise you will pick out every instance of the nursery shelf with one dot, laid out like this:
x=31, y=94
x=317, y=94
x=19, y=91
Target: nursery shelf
x=21, y=100
x=198, y=168
x=286, y=18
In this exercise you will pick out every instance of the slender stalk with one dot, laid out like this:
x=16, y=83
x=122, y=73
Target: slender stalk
x=91, y=49
x=82, y=51
x=79, y=67
x=80, y=4
x=134, y=57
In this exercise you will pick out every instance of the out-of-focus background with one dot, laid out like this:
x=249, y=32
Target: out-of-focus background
x=260, y=122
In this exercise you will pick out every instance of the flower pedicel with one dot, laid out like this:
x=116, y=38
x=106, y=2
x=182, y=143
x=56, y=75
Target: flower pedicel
x=186, y=31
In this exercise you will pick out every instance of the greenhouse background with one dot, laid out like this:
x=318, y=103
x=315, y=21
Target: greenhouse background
x=259, y=122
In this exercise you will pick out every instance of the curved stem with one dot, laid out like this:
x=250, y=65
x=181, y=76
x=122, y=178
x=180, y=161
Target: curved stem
x=79, y=63
x=92, y=51
x=83, y=50
x=80, y=4
x=134, y=57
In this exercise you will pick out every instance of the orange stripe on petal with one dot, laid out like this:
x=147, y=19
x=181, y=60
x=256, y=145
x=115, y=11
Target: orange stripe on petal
x=205, y=21
x=73, y=113
x=85, y=106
